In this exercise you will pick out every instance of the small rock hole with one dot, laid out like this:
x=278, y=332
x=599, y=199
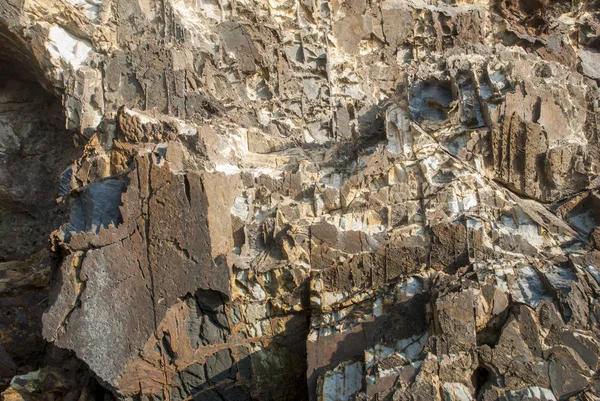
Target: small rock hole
x=479, y=378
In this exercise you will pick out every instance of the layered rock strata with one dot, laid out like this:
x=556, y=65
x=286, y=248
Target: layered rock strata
x=290, y=200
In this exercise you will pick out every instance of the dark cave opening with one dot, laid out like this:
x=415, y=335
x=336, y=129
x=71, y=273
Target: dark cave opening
x=35, y=147
x=480, y=377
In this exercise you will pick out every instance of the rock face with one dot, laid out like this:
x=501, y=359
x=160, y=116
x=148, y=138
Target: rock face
x=299, y=200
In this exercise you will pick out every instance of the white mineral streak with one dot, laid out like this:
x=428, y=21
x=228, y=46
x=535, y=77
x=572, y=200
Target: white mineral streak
x=91, y=8
x=67, y=48
x=342, y=382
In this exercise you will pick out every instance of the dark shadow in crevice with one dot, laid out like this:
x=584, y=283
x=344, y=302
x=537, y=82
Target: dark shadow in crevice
x=276, y=371
x=480, y=379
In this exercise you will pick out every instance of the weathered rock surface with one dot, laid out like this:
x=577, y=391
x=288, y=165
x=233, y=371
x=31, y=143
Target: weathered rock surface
x=290, y=200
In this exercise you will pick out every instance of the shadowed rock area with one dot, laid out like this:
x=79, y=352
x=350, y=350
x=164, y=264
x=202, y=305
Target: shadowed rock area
x=338, y=200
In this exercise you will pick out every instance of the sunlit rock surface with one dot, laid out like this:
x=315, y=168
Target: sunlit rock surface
x=299, y=200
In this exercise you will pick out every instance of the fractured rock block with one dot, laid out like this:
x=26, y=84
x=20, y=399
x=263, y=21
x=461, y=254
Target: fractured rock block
x=125, y=283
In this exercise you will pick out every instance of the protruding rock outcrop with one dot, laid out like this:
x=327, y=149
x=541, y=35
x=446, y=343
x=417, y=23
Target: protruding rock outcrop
x=291, y=200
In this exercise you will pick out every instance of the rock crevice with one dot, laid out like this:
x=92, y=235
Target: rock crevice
x=290, y=200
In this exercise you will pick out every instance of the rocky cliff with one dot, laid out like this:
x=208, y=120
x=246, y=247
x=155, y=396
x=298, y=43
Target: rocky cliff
x=299, y=200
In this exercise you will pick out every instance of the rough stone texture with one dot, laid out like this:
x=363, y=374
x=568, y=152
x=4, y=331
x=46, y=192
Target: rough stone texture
x=292, y=199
